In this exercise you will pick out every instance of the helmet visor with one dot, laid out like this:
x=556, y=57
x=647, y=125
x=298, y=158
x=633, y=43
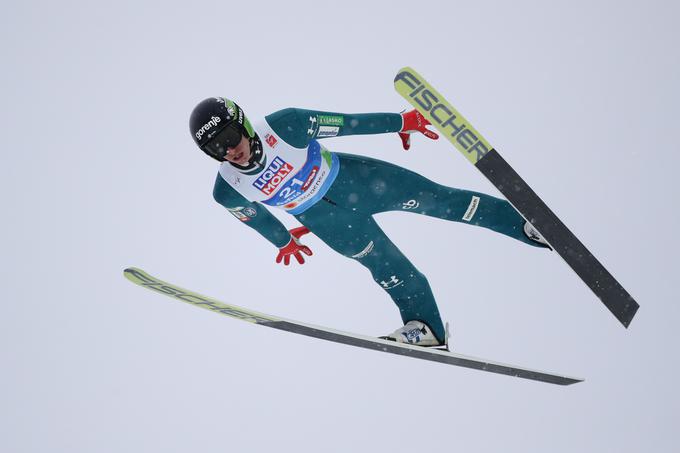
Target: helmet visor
x=219, y=145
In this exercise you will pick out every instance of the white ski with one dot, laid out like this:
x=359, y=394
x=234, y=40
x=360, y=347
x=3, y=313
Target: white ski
x=141, y=278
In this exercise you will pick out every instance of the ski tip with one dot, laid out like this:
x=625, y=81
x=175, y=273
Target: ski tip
x=133, y=274
x=405, y=69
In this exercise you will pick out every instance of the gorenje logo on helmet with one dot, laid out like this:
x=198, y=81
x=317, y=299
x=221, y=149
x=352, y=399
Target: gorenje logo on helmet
x=206, y=127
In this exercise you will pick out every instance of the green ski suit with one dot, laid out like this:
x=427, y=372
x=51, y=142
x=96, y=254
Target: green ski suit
x=343, y=217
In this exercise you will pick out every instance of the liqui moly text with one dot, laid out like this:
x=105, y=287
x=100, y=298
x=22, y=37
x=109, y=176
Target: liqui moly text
x=273, y=176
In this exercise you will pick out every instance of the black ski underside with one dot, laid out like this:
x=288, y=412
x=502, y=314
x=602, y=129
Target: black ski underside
x=592, y=272
x=424, y=354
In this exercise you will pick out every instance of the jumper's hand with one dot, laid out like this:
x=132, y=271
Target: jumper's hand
x=413, y=121
x=294, y=247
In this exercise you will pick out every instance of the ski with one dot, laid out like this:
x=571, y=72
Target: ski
x=452, y=125
x=143, y=279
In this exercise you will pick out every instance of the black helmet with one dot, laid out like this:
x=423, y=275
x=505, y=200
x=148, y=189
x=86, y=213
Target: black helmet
x=217, y=124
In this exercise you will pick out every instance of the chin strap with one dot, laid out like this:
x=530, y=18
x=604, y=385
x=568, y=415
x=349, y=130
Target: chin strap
x=256, y=151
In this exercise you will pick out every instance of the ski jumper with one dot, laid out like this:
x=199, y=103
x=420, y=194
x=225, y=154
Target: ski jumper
x=335, y=195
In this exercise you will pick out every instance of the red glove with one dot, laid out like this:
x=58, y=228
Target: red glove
x=414, y=122
x=294, y=247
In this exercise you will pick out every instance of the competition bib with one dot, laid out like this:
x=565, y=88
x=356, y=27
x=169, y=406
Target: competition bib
x=291, y=178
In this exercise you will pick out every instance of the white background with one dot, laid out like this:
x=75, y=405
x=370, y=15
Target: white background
x=99, y=172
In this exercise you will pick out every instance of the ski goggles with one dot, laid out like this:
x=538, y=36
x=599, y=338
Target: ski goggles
x=218, y=146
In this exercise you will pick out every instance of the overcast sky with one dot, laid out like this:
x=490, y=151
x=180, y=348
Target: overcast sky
x=99, y=173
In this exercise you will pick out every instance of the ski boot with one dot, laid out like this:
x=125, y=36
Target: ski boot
x=533, y=234
x=419, y=334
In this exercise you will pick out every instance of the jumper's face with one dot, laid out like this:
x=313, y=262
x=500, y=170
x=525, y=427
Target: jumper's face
x=240, y=154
